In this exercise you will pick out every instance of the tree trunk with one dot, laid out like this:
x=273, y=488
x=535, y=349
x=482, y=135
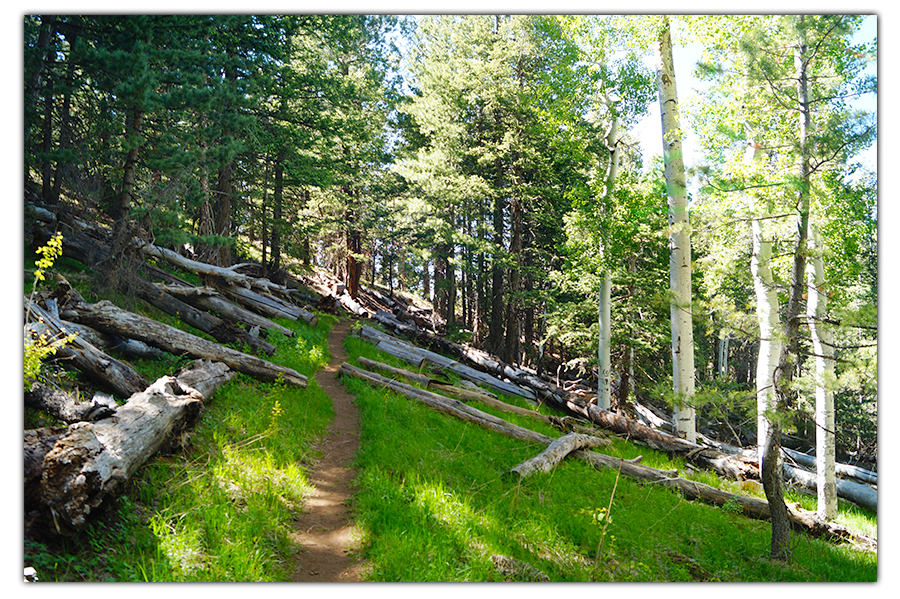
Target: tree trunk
x=605, y=337
x=110, y=318
x=92, y=462
x=554, y=454
x=212, y=302
x=679, y=244
x=118, y=377
x=816, y=310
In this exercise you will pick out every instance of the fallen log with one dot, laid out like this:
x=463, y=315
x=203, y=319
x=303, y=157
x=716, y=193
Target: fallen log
x=126, y=347
x=267, y=305
x=213, y=302
x=750, y=506
x=402, y=353
x=861, y=474
x=91, y=462
x=415, y=377
x=449, y=364
x=110, y=318
x=63, y=406
x=229, y=274
x=859, y=493
x=553, y=455
x=218, y=329
x=115, y=375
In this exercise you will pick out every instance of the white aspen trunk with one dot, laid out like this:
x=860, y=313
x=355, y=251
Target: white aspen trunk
x=769, y=341
x=603, y=368
x=679, y=243
x=605, y=326
x=816, y=306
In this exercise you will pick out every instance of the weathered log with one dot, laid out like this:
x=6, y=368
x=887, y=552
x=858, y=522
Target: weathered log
x=115, y=375
x=38, y=443
x=213, y=302
x=218, y=329
x=861, y=474
x=859, y=493
x=64, y=406
x=228, y=274
x=554, y=454
x=401, y=352
x=267, y=305
x=92, y=462
x=126, y=347
x=351, y=305
x=449, y=364
x=750, y=506
x=415, y=377
x=110, y=318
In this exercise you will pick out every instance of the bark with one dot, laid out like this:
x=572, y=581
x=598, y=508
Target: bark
x=679, y=243
x=220, y=330
x=603, y=361
x=63, y=406
x=208, y=299
x=91, y=462
x=268, y=305
x=548, y=459
x=117, y=376
x=816, y=310
x=112, y=319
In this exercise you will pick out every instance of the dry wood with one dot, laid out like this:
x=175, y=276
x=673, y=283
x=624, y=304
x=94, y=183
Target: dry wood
x=115, y=375
x=125, y=347
x=859, y=493
x=449, y=364
x=110, y=318
x=213, y=302
x=220, y=330
x=861, y=474
x=415, y=377
x=268, y=305
x=401, y=352
x=64, y=406
x=555, y=453
x=91, y=462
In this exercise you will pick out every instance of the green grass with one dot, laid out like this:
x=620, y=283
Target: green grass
x=223, y=509
x=433, y=505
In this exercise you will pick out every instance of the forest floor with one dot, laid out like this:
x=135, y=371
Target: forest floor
x=325, y=530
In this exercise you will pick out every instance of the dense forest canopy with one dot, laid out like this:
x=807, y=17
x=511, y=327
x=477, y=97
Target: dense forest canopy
x=472, y=160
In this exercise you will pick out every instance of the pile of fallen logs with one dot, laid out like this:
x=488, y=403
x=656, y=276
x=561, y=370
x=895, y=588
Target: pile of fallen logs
x=71, y=470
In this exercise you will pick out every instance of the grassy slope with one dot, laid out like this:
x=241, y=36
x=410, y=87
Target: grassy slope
x=431, y=503
x=434, y=507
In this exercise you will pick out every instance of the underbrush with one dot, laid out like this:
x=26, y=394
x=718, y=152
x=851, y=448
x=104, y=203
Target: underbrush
x=433, y=505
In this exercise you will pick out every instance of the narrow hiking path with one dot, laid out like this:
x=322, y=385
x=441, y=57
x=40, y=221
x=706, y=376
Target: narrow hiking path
x=325, y=530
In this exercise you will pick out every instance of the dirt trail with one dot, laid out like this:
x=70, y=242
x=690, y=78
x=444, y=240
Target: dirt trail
x=325, y=530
